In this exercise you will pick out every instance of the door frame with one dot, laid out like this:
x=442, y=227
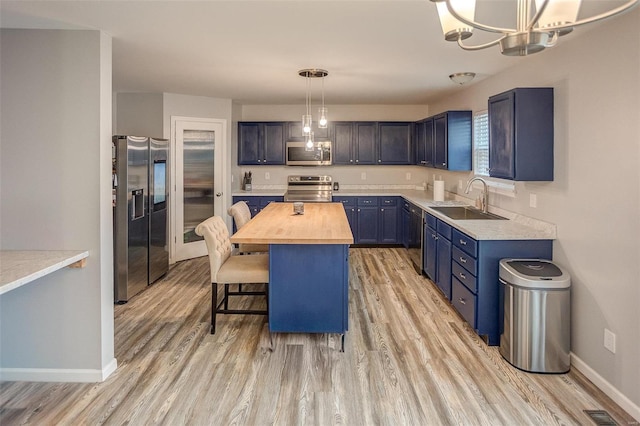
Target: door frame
x=220, y=173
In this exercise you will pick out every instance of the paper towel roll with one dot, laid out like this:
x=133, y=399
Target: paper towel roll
x=438, y=190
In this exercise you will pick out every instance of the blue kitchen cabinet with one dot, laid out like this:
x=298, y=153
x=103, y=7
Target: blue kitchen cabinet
x=365, y=136
x=342, y=140
x=452, y=143
x=261, y=143
x=294, y=131
x=389, y=220
x=351, y=210
x=474, y=278
x=521, y=134
x=437, y=253
x=423, y=142
x=367, y=222
x=354, y=143
x=321, y=305
x=394, y=143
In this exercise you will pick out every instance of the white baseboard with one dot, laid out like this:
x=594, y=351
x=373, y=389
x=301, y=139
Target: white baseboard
x=58, y=374
x=606, y=387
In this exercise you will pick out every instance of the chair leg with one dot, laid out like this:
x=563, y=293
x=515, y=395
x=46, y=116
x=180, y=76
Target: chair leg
x=226, y=297
x=214, y=306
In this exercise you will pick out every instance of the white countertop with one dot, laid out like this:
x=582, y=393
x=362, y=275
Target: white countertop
x=19, y=267
x=516, y=227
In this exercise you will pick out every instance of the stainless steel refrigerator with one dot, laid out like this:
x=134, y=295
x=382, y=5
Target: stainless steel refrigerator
x=140, y=182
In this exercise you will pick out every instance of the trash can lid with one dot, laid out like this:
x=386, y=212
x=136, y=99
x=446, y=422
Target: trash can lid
x=534, y=273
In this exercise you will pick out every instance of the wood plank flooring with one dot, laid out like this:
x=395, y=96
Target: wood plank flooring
x=409, y=360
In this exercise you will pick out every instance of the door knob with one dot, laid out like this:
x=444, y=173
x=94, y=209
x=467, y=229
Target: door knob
x=218, y=194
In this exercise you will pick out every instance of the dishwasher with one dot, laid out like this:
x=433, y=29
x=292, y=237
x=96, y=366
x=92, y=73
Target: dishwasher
x=412, y=239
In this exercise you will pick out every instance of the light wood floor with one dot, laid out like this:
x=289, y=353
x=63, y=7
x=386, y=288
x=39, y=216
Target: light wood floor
x=409, y=359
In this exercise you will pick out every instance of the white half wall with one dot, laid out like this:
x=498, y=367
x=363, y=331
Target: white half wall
x=55, y=185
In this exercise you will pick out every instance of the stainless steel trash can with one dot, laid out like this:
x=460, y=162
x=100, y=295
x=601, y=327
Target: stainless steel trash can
x=536, y=323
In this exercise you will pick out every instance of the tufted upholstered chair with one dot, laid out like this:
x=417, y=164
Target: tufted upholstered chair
x=241, y=215
x=228, y=269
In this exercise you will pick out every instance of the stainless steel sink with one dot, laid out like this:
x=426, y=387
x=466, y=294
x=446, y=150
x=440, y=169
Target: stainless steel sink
x=466, y=213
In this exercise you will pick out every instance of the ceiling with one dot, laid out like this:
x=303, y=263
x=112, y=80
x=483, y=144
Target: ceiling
x=387, y=52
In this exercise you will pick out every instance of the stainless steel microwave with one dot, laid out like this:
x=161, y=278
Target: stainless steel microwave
x=298, y=154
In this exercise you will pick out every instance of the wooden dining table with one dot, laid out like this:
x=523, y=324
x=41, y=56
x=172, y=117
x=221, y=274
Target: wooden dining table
x=308, y=265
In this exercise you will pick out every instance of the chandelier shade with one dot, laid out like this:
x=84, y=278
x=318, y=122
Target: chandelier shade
x=538, y=25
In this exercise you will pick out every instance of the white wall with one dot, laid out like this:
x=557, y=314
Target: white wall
x=139, y=114
x=595, y=197
x=55, y=183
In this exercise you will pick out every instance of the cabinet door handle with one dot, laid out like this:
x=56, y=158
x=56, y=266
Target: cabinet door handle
x=463, y=260
x=357, y=161
x=351, y=161
x=444, y=164
x=463, y=242
x=463, y=276
x=259, y=161
x=462, y=301
x=381, y=210
x=379, y=161
x=358, y=209
x=264, y=161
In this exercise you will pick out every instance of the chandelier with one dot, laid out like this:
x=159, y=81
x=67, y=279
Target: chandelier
x=307, y=121
x=536, y=27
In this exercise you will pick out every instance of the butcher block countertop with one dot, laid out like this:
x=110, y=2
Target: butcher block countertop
x=321, y=223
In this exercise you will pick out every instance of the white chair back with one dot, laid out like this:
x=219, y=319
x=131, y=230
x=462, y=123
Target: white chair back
x=216, y=236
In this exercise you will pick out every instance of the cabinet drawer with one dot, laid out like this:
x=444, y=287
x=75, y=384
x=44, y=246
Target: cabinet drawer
x=464, y=301
x=466, y=261
x=388, y=201
x=431, y=221
x=444, y=230
x=367, y=201
x=465, y=277
x=465, y=242
x=346, y=201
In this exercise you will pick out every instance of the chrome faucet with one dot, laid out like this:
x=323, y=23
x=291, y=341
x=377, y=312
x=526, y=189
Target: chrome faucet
x=485, y=192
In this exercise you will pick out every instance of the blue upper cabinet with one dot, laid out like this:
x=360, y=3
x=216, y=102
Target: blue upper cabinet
x=354, y=143
x=394, y=146
x=423, y=142
x=294, y=131
x=521, y=134
x=261, y=143
x=452, y=144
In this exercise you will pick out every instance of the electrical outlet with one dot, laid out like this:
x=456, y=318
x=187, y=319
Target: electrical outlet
x=533, y=200
x=267, y=176
x=408, y=176
x=460, y=187
x=363, y=176
x=609, y=341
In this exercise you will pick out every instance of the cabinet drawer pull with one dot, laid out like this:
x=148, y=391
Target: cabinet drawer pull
x=463, y=260
x=462, y=301
x=463, y=242
x=463, y=276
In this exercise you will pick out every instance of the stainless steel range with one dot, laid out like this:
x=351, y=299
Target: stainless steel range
x=309, y=189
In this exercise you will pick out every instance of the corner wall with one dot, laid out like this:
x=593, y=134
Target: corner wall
x=55, y=182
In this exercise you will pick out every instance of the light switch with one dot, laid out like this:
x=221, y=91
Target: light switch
x=533, y=200
x=267, y=176
x=408, y=176
x=363, y=175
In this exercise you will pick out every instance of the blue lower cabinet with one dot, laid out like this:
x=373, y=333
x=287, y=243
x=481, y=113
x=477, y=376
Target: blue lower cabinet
x=443, y=274
x=430, y=252
x=474, y=278
x=306, y=296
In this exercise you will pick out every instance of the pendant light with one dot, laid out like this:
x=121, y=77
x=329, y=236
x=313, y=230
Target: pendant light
x=307, y=121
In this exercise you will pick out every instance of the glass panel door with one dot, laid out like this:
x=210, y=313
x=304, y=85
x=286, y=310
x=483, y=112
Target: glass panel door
x=198, y=151
x=198, y=182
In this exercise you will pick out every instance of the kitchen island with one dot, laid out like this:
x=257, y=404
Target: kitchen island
x=308, y=266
